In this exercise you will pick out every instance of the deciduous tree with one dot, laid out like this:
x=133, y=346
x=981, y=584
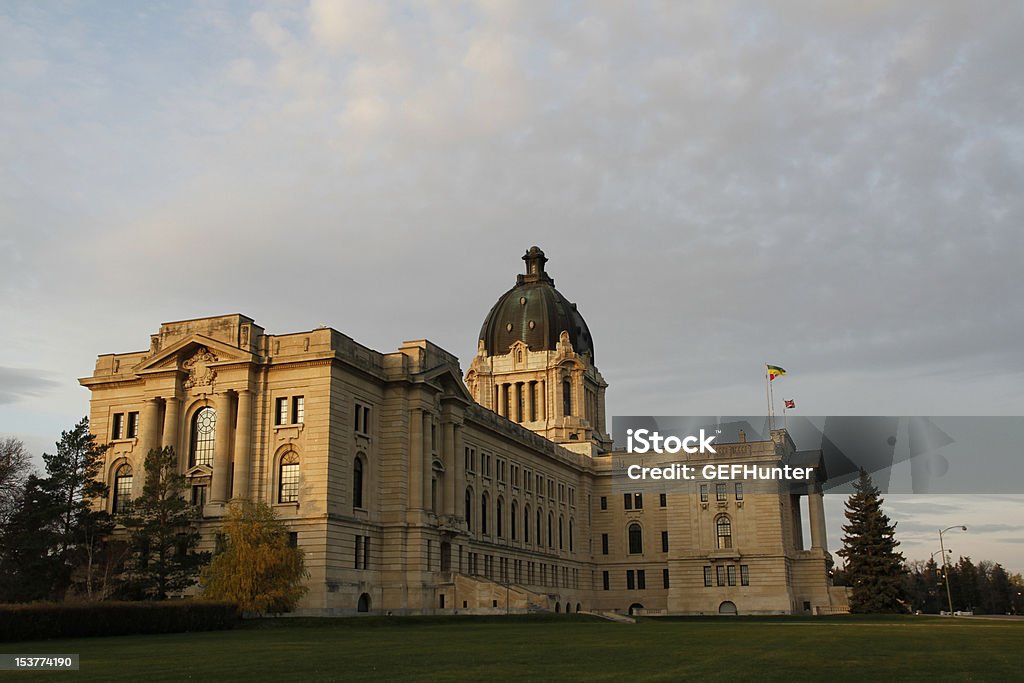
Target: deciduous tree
x=258, y=569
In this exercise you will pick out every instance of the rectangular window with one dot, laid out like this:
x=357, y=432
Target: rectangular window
x=663, y=500
x=641, y=579
x=720, y=571
x=604, y=544
x=298, y=409
x=604, y=579
x=707, y=576
x=199, y=496
x=117, y=429
x=731, y=572
x=572, y=497
x=627, y=501
x=664, y=578
x=280, y=411
x=133, y=425
x=703, y=493
x=501, y=469
x=468, y=464
x=720, y=494
x=540, y=486
x=664, y=541
x=744, y=575
x=561, y=493
x=630, y=580
x=528, y=480
x=361, y=419
x=604, y=502
x=739, y=490
x=551, y=489
x=638, y=501
x=293, y=539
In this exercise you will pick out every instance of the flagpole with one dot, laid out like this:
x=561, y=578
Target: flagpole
x=767, y=396
x=785, y=416
x=771, y=394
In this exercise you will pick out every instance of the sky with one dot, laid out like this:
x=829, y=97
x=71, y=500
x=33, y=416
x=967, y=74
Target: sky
x=834, y=188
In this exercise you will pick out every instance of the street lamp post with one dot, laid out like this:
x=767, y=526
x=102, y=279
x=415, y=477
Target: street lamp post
x=945, y=562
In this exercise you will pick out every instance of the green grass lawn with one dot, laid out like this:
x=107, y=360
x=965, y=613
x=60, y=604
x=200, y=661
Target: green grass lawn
x=554, y=647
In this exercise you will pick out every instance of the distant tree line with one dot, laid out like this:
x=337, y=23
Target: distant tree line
x=57, y=542
x=982, y=588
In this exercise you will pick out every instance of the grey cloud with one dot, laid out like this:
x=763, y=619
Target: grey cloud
x=19, y=383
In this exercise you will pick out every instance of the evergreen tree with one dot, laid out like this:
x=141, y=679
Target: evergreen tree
x=873, y=565
x=259, y=569
x=163, y=558
x=29, y=566
x=57, y=526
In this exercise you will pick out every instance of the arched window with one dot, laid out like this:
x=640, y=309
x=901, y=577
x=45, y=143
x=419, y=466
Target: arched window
x=636, y=539
x=288, y=479
x=526, y=524
x=566, y=397
x=570, y=534
x=540, y=539
x=357, y=482
x=514, y=513
x=499, y=517
x=561, y=525
x=204, y=433
x=723, y=530
x=551, y=538
x=483, y=513
x=122, y=489
x=469, y=509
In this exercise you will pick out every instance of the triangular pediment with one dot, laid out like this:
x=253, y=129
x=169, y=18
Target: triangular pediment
x=199, y=471
x=449, y=380
x=175, y=356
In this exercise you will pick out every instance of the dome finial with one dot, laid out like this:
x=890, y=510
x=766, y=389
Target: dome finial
x=535, y=260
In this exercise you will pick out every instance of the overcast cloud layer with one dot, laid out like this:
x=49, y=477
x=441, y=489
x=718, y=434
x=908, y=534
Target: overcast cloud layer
x=717, y=185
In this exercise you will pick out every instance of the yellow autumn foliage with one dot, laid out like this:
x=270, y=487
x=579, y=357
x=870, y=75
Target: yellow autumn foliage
x=258, y=569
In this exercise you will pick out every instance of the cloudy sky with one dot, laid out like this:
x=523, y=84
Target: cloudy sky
x=833, y=189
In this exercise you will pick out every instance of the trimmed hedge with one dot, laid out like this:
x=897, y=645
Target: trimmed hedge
x=41, y=621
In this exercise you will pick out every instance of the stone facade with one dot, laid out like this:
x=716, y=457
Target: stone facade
x=411, y=491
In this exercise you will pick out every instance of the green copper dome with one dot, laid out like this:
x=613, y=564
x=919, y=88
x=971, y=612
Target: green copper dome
x=535, y=313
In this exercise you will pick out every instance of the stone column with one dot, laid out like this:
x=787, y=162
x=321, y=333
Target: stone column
x=798, y=529
x=451, y=456
x=543, y=400
x=415, y=473
x=172, y=423
x=221, y=450
x=503, y=400
x=816, y=514
x=531, y=389
x=243, y=445
x=460, y=470
x=428, y=458
x=150, y=435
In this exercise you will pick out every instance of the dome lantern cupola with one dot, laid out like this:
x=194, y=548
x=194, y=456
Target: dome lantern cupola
x=535, y=363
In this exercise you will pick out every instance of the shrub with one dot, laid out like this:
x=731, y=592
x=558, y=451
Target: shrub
x=74, y=620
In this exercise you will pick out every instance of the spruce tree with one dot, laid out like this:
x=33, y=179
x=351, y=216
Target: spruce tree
x=873, y=565
x=164, y=536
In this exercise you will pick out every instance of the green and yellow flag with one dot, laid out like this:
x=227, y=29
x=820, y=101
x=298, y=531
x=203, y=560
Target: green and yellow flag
x=775, y=371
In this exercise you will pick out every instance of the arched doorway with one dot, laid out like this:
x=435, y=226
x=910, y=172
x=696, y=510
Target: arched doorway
x=634, y=607
x=558, y=608
x=577, y=608
x=364, y=603
x=727, y=607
